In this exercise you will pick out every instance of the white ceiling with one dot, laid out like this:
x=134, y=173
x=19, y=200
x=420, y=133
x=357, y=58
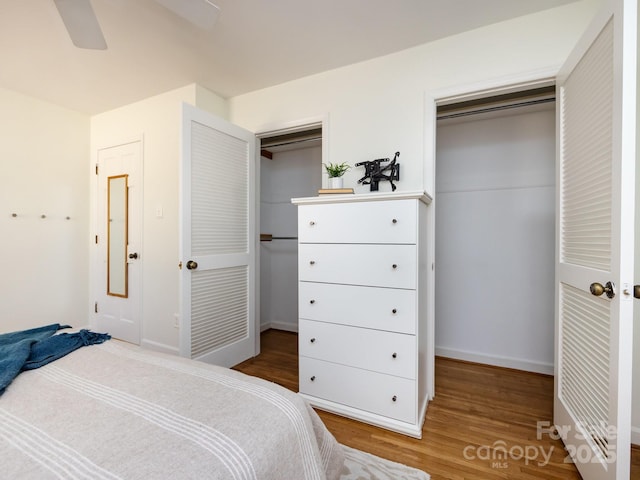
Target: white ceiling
x=255, y=44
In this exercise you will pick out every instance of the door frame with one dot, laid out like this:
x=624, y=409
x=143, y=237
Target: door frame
x=432, y=99
x=270, y=130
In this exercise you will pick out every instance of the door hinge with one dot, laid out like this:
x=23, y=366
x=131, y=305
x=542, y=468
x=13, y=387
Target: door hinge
x=95, y=307
x=96, y=169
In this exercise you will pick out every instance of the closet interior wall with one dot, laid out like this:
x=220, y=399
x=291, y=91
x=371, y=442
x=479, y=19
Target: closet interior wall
x=294, y=170
x=495, y=237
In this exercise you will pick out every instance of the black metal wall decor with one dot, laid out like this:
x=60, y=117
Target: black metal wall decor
x=375, y=172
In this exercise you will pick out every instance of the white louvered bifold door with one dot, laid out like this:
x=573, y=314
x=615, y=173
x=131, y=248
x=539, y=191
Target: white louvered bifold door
x=217, y=250
x=595, y=216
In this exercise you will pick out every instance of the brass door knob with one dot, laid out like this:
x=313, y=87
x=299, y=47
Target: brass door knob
x=191, y=265
x=598, y=289
x=636, y=291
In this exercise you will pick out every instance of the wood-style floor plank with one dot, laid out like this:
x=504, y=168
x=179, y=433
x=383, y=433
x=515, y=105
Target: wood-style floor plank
x=479, y=412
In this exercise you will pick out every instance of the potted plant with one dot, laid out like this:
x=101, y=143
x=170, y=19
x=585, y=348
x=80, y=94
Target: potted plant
x=335, y=172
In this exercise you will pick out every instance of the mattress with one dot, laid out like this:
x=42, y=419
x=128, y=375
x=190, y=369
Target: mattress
x=117, y=411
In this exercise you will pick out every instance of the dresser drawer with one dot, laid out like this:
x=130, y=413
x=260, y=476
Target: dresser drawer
x=359, y=222
x=373, y=265
x=385, y=352
x=373, y=392
x=389, y=309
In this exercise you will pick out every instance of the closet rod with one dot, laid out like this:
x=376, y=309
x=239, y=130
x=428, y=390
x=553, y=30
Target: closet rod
x=267, y=237
x=495, y=108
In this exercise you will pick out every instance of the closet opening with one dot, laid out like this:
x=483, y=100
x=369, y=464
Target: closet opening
x=290, y=167
x=495, y=230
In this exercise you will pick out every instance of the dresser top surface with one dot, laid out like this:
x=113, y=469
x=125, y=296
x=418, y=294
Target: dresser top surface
x=362, y=197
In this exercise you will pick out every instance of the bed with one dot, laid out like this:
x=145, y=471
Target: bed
x=117, y=411
x=114, y=410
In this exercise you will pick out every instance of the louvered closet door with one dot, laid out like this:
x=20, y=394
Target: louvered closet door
x=596, y=157
x=217, y=251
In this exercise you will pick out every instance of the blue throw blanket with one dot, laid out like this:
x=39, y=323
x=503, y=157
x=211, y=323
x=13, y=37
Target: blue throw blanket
x=29, y=349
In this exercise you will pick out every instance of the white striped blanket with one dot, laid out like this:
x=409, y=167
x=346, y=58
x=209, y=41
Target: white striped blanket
x=114, y=411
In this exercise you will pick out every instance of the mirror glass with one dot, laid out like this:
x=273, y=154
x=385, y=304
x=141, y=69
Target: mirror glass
x=117, y=201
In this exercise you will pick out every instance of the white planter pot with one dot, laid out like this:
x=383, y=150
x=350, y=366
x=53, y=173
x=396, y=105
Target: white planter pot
x=335, y=182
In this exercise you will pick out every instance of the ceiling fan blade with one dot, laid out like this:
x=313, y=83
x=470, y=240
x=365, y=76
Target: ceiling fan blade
x=81, y=23
x=202, y=13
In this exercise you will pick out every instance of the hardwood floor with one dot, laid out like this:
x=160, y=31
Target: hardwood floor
x=479, y=413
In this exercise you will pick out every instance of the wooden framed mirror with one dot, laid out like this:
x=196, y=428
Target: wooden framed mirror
x=117, y=235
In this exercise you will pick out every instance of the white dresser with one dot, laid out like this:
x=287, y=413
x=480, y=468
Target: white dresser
x=366, y=351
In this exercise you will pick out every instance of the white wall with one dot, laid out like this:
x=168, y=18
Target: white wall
x=376, y=108
x=43, y=170
x=157, y=120
x=495, y=238
x=290, y=174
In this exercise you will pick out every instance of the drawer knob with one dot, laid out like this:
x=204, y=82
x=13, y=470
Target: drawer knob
x=312, y=302
x=394, y=398
x=394, y=355
x=313, y=379
x=394, y=266
x=313, y=340
x=312, y=262
x=312, y=223
x=394, y=220
x=394, y=311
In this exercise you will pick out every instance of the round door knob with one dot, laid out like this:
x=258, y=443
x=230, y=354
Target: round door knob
x=191, y=265
x=312, y=262
x=394, y=355
x=313, y=379
x=133, y=255
x=394, y=398
x=394, y=311
x=313, y=340
x=598, y=289
x=312, y=223
x=394, y=266
x=394, y=221
x=312, y=302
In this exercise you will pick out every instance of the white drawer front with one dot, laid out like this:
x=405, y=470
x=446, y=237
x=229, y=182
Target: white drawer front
x=389, y=309
x=373, y=265
x=359, y=222
x=373, y=392
x=385, y=352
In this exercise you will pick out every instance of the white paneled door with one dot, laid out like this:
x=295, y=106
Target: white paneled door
x=119, y=285
x=595, y=230
x=218, y=240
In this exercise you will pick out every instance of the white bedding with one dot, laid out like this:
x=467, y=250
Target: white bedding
x=116, y=411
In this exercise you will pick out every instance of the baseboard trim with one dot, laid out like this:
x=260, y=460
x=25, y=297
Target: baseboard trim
x=635, y=436
x=287, y=327
x=159, y=347
x=496, y=361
